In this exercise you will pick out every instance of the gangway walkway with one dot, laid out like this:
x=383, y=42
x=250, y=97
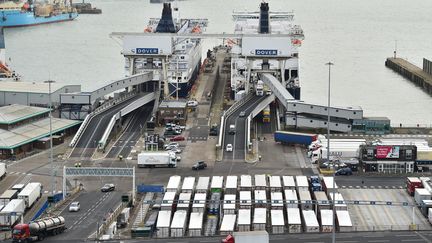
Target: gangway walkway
x=312, y=114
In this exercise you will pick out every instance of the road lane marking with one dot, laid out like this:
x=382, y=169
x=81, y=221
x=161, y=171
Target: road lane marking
x=378, y=240
x=423, y=237
x=412, y=240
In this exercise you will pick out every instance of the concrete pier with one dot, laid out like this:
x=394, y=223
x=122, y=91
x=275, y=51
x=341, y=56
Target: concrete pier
x=421, y=77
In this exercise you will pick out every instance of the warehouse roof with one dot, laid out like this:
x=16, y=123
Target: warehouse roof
x=29, y=87
x=13, y=138
x=14, y=113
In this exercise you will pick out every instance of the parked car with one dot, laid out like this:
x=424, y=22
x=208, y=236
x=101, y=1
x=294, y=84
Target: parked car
x=192, y=103
x=229, y=148
x=178, y=138
x=200, y=165
x=176, y=150
x=214, y=130
x=344, y=171
x=178, y=158
x=74, y=207
x=171, y=144
x=242, y=114
x=108, y=188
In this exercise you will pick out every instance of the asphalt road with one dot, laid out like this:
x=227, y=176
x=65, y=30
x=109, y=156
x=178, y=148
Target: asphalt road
x=238, y=139
x=125, y=143
x=87, y=143
x=95, y=205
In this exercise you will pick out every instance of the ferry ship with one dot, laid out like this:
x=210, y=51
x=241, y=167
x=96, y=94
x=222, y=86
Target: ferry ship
x=276, y=22
x=26, y=13
x=183, y=65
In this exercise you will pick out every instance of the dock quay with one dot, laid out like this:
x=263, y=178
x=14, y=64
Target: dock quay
x=420, y=77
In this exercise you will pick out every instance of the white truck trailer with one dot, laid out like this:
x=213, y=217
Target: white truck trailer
x=7, y=196
x=245, y=182
x=339, y=201
x=228, y=224
x=31, y=193
x=163, y=224
x=277, y=221
x=343, y=220
x=291, y=199
x=245, y=199
x=321, y=201
x=188, y=184
x=259, y=219
x=335, y=153
x=294, y=220
x=326, y=219
x=168, y=201
x=12, y=213
x=231, y=185
x=260, y=199
x=310, y=221
x=302, y=183
x=196, y=224
x=157, y=159
x=260, y=182
x=2, y=170
x=288, y=182
x=216, y=184
x=199, y=202
x=244, y=220
x=276, y=200
x=328, y=185
x=305, y=200
x=173, y=184
x=178, y=224
x=229, y=204
x=203, y=184
x=247, y=237
x=421, y=194
x=275, y=184
x=184, y=201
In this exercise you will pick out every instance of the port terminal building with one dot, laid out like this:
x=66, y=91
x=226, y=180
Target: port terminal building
x=25, y=128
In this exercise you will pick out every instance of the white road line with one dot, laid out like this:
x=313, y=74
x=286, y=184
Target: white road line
x=378, y=241
x=412, y=240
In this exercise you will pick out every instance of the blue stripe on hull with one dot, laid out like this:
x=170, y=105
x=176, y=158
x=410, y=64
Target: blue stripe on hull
x=17, y=18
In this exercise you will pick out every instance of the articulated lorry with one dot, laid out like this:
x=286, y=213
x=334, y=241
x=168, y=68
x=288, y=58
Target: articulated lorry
x=294, y=137
x=335, y=153
x=247, y=237
x=2, y=170
x=157, y=159
x=38, y=230
x=12, y=214
x=31, y=193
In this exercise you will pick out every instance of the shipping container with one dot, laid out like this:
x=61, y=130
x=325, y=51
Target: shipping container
x=244, y=220
x=343, y=220
x=229, y=204
x=31, y=193
x=321, y=201
x=310, y=222
x=294, y=220
x=228, y=224
x=173, y=184
x=196, y=224
x=328, y=185
x=277, y=221
x=245, y=182
x=203, y=184
x=276, y=200
x=163, y=224
x=260, y=219
x=305, y=200
x=260, y=182
x=421, y=194
x=339, y=202
x=214, y=204
x=326, y=220
x=412, y=183
x=260, y=199
x=231, y=185
x=245, y=199
x=302, y=183
x=11, y=213
x=188, y=184
x=199, y=203
x=291, y=199
x=216, y=184
x=184, y=201
x=275, y=184
x=178, y=224
x=168, y=201
x=289, y=182
x=7, y=196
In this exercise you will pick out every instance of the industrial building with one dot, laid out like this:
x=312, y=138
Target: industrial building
x=388, y=158
x=172, y=111
x=23, y=128
x=33, y=93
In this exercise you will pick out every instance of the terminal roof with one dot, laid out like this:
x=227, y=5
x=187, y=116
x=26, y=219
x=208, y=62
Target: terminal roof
x=29, y=87
x=14, y=113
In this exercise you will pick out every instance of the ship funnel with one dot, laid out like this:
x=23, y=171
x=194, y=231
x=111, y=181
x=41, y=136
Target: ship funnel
x=264, y=19
x=166, y=24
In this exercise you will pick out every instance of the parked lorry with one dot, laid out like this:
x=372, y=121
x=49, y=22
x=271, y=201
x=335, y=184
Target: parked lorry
x=157, y=159
x=11, y=214
x=335, y=153
x=39, y=229
x=294, y=137
x=412, y=183
x=2, y=170
x=31, y=193
x=123, y=218
x=259, y=88
x=7, y=196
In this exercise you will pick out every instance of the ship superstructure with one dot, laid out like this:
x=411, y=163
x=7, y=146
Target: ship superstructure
x=181, y=56
x=264, y=22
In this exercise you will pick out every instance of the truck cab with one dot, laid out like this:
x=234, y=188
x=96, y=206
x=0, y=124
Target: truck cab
x=21, y=233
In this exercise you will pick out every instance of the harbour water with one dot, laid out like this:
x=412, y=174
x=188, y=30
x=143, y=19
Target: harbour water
x=356, y=36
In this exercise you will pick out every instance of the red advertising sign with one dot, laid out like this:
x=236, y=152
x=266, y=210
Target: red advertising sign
x=387, y=152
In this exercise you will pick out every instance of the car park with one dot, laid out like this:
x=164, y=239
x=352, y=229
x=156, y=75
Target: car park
x=200, y=165
x=229, y=148
x=108, y=188
x=74, y=207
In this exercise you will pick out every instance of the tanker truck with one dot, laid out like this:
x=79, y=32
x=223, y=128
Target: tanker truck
x=38, y=230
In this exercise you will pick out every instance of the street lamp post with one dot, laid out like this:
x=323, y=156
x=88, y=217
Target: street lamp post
x=329, y=64
x=49, y=82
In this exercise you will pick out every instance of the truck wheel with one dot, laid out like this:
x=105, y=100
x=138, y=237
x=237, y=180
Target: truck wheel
x=41, y=237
